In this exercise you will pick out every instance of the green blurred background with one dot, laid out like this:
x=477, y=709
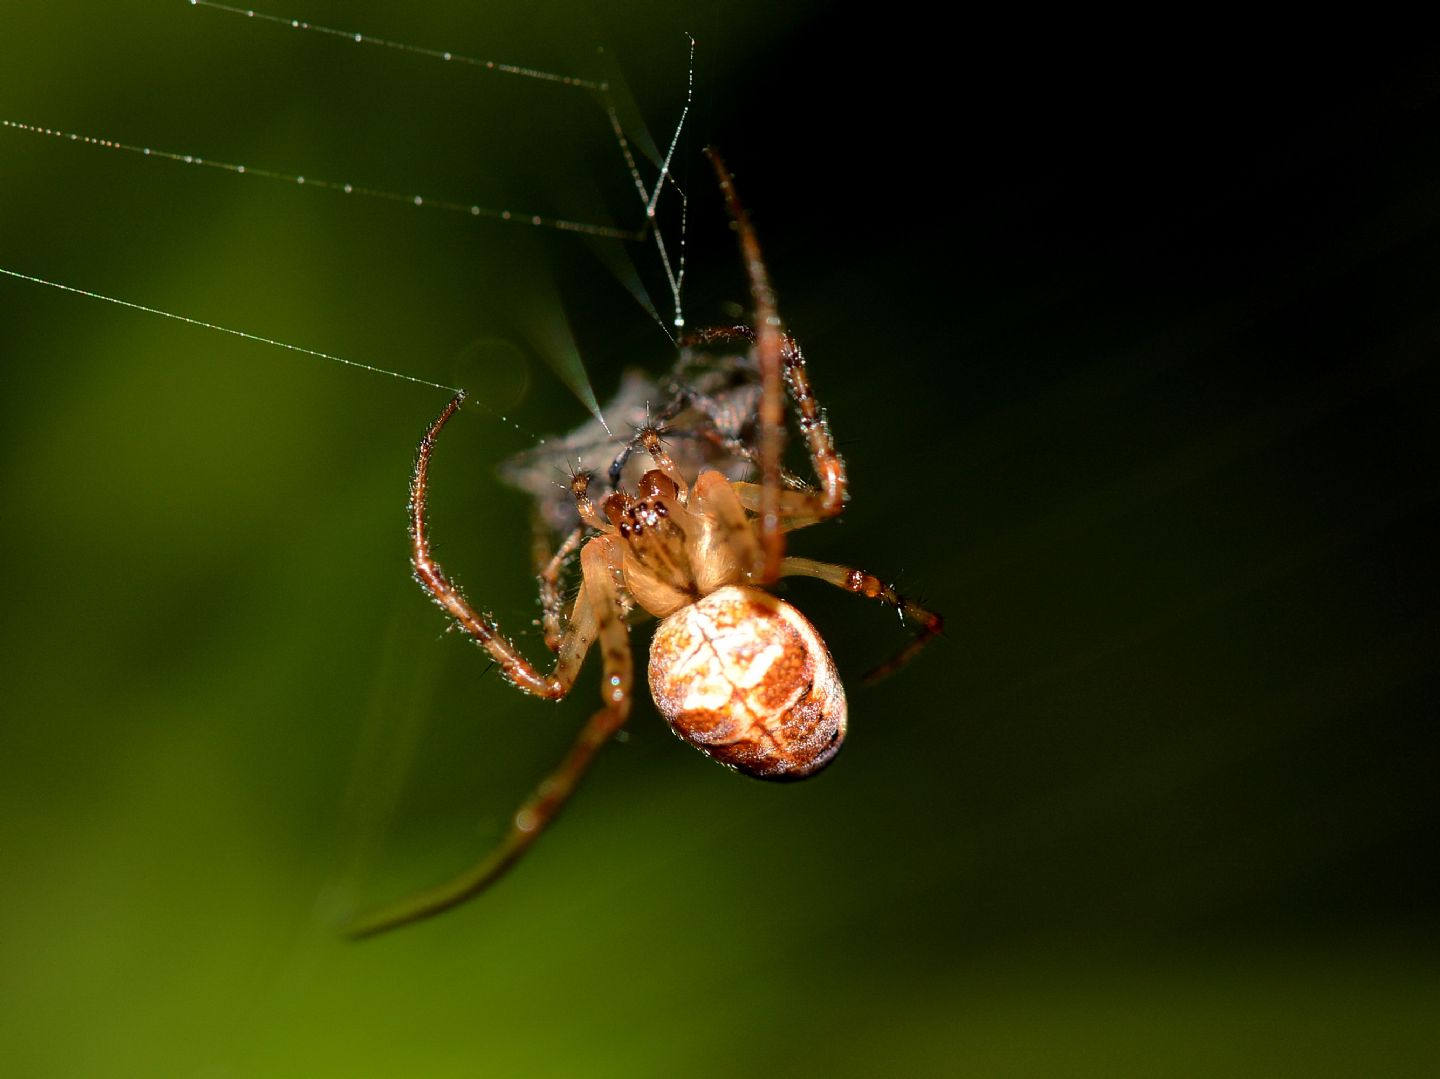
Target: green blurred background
x=1133, y=359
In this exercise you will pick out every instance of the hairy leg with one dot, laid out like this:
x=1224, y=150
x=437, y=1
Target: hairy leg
x=552, y=587
x=598, y=595
x=825, y=459
x=768, y=346
x=482, y=626
x=865, y=584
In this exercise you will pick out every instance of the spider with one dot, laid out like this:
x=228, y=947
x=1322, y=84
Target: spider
x=738, y=673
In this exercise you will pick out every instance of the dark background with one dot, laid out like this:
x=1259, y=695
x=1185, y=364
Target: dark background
x=1131, y=353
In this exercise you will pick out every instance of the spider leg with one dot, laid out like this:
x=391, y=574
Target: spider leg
x=797, y=508
x=864, y=584
x=482, y=626
x=815, y=427
x=814, y=424
x=769, y=340
x=598, y=595
x=548, y=569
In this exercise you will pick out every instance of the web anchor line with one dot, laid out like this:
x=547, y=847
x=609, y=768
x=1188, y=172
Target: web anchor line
x=258, y=339
x=224, y=329
x=468, y=209
x=400, y=46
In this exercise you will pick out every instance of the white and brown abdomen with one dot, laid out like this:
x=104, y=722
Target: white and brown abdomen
x=745, y=678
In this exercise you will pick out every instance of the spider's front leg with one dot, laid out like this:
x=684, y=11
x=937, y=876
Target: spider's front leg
x=769, y=343
x=597, y=612
x=782, y=367
x=481, y=626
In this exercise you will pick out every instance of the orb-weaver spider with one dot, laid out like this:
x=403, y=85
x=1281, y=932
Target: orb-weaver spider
x=739, y=674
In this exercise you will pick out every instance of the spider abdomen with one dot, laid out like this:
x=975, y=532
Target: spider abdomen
x=745, y=678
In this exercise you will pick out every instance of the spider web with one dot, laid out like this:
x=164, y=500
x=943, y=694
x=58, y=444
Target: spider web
x=547, y=334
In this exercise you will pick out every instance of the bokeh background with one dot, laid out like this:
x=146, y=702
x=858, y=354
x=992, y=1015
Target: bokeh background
x=1132, y=354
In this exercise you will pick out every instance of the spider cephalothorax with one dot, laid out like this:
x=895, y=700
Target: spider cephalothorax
x=736, y=672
